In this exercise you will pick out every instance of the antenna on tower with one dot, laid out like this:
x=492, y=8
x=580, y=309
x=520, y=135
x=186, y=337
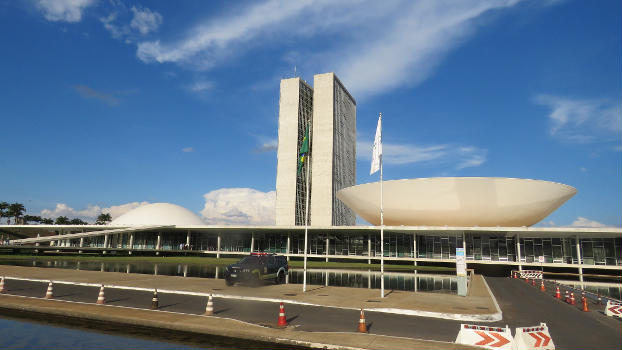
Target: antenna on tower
x=295, y=71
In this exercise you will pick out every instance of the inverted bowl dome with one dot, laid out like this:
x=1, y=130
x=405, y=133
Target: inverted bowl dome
x=158, y=214
x=457, y=201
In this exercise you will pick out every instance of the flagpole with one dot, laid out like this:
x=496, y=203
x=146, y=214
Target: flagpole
x=381, y=225
x=304, y=278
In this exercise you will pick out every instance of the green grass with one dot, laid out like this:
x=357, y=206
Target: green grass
x=225, y=261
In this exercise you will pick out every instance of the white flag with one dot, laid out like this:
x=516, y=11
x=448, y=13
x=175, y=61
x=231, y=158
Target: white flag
x=377, y=151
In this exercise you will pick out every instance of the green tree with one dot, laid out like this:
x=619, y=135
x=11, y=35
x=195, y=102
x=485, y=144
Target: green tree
x=77, y=221
x=32, y=218
x=103, y=219
x=47, y=221
x=61, y=220
x=4, y=206
x=16, y=210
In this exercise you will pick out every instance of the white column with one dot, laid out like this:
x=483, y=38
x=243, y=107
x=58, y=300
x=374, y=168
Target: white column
x=218, y=247
x=579, y=259
x=415, y=249
x=159, y=241
x=252, y=242
x=327, y=247
x=288, y=245
x=188, y=240
x=81, y=242
x=518, y=257
x=106, y=242
x=464, y=246
x=131, y=245
x=369, y=248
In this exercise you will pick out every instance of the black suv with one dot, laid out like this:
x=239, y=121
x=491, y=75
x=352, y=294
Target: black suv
x=257, y=267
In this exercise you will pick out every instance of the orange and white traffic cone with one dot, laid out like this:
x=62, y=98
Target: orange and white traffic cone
x=2, y=285
x=585, y=309
x=557, y=294
x=572, y=301
x=526, y=279
x=567, y=297
x=362, y=324
x=49, y=294
x=282, y=321
x=542, y=288
x=101, y=300
x=533, y=282
x=209, y=308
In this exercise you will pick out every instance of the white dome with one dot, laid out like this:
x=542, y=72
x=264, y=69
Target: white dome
x=158, y=214
x=457, y=201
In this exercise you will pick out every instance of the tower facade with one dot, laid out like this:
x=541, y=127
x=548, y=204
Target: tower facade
x=295, y=114
x=331, y=112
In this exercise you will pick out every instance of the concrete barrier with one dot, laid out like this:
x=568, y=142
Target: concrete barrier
x=531, y=274
x=530, y=338
x=613, y=309
x=486, y=337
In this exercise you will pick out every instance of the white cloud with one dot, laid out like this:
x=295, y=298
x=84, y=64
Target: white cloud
x=201, y=85
x=267, y=145
x=398, y=154
x=115, y=30
x=583, y=120
x=583, y=222
x=63, y=10
x=91, y=212
x=145, y=20
x=374, y=46
x=187, y=149
x=239, y=206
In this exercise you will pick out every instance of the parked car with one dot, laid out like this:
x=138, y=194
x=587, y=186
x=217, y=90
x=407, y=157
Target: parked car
x=256, y=268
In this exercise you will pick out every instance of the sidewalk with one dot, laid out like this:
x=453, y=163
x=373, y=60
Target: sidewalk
x=479, y=305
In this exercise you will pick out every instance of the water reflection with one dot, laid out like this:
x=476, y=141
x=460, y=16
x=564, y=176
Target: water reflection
x=340, y=278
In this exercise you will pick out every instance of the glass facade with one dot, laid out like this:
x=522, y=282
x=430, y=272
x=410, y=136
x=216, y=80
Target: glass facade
x=488, y=246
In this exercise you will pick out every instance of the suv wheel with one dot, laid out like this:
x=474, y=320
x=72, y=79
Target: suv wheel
x=280, y=278
x=228, y=282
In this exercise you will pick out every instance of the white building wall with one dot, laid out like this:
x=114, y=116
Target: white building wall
x=287, y=152
x=334, y=150
x=295, y=112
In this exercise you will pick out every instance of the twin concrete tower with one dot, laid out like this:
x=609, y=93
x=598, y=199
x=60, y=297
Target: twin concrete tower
x=330, y=111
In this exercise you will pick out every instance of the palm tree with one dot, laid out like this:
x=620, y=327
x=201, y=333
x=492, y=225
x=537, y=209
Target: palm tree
x=47, y=221
x=32, y=218
x=77, y=221
x=3, y=209
x=61, y=220
x=16, y=210
x=103, y=219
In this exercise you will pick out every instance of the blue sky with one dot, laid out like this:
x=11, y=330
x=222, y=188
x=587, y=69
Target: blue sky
x=107, y=105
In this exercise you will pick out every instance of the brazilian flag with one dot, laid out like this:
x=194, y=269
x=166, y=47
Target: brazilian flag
x=304, y=149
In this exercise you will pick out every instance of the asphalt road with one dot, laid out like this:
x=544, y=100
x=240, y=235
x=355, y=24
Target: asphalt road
x=522, y=306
